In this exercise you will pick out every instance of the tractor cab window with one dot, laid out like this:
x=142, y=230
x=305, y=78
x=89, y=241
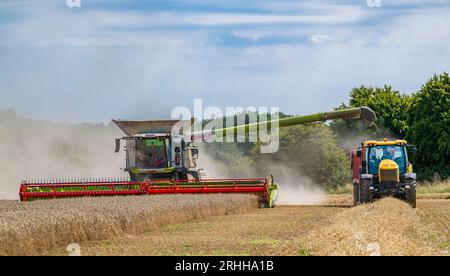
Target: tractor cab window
x=394, y=153
x=151, y=153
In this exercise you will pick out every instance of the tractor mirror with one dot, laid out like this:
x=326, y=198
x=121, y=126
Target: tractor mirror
x=412, y=149
x=358, y=153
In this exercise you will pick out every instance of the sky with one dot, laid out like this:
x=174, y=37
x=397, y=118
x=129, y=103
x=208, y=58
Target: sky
x=135, y=59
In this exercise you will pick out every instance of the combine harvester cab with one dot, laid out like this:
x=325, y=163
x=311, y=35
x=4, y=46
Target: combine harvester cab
x=161, y=161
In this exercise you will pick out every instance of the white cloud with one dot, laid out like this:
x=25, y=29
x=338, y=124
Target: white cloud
x=64, y=27
x=412, y=2
x=256, y=34
x=218, y=19
x=320, y=38
x=102, y=65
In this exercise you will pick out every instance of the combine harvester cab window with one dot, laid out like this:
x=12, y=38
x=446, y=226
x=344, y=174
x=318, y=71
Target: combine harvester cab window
x=151, y=153
x=394, y=153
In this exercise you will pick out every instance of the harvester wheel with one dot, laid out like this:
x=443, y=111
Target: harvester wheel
x=181, y=176
x=364, y=192
x=356, y=198
x=410, y=197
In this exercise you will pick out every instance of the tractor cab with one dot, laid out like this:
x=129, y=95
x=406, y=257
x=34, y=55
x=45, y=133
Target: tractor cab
x=382, y=168
x=385, y=157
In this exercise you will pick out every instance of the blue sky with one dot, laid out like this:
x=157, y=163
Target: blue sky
x=139, y=59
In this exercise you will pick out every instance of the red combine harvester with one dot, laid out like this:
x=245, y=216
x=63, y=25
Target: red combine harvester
x=160, y=160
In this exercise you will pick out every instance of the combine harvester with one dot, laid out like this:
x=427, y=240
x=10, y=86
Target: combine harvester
x=159, y=162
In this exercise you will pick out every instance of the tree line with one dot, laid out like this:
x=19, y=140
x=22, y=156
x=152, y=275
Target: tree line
x=421, y=118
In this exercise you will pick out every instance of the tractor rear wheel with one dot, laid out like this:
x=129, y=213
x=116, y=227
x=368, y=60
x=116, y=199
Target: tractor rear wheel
x=356, y=198
x=364, y=192
x=410, y=197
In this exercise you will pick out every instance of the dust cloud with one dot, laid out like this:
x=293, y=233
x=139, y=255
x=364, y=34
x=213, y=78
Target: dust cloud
x=32, y=149
x=353, y=138
x=212, y=168
x=294, y=188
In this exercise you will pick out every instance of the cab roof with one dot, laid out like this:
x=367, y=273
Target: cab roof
x=385, y=142
x=133, y=128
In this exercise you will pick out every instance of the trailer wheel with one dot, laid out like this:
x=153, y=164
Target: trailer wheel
x=364, y=192
x=410, y=197
x=356, y=197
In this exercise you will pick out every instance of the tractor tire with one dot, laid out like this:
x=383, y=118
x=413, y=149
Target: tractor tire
x=410, y=197
x=364, y=192
x=356, y=196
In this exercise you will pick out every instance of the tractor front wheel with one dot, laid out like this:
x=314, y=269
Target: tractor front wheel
x=356, y=197
x=364, y=192
x=410, y=197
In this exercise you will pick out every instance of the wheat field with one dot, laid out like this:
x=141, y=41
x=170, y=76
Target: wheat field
x=222, y=225
x=385, y=227
x=31, y=228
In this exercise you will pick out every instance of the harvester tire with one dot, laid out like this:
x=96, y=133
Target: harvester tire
x=410, y=197
x=356, y=197
x=181, y=176
x=364, y=192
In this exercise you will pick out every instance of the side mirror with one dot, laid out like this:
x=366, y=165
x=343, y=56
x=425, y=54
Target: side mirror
x=194, y=153
x=414, y=150
x=358, y=152
x=201, y=172
x=117, y=145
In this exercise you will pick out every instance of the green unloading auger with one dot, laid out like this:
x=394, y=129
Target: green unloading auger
x=363, y=112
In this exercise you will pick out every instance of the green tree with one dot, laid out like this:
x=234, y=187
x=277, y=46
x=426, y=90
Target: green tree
x=429, y=127
x=390, y=105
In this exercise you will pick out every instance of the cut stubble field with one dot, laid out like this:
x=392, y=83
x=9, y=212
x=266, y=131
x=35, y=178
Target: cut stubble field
x=387, y=227
x=277, y=231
